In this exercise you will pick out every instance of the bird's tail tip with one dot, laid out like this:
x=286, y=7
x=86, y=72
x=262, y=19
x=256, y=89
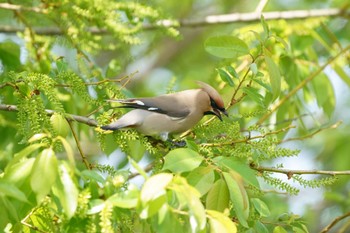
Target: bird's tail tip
x=109, y=127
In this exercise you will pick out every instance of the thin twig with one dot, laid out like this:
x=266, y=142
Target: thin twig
x=260, y=7
x=83, y=157
x=312, y=134
x=219, y=144
x=10, y=84
x=335, y=221
x=91, y=83
x=300, y=86
x=207, y=21
x=13, y=7
x=289, y=120
x=233, y=98
x=24, y=221
x=24, y=20
x=146, y=169
x=69, y=117
x=290, y=172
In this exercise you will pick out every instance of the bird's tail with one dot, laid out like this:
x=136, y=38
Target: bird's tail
x=113, y=126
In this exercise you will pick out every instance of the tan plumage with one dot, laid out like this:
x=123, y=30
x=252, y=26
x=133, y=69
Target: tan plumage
x=171, y=113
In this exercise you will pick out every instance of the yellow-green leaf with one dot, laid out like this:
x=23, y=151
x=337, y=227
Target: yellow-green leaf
x=182, y=160
x=261, y=207
x=125, y=199
x=218, y=197
x=60, y=125
x=44, y=173
x=279, y=229
x=66, y=191
x=201, y=178
x=226, y=46
x=220, y=223
x=238, y=196
x=155, y=186
x=10, y=190
x=275, y=76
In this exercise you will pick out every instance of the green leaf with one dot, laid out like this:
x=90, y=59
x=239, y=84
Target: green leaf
x=220, y=223
x=264, y=85
x=275, y=76
x=248, y=174
x=60, y=124
x=298, y=230
x=280, y=40
x=191, y=144
x=265, y=26
x=254, y=68
x=168, y=222
x=232, y=71
x=260, y=228
x=201, y=178
x=37, y=137
x=189, y=196
x=225, y=77
x=66, y=191
x=9, y=210
x=11, y=190
x=44, y=173
x=238, y=196
x=340, y=71
x=182, y=160
x=137, y=149
x=226, y=46
x=261, y=207
x=325, y=96
x=138, y=168
x=10, y=55
x=279, y=229
x=69, y=150
x=92, y=175
x=23, y=153
x=218, y=197
x=125, y=199
x=153, y=206
x=19, y=172
x=155, y=186
x=96, y=205
x=254, y=95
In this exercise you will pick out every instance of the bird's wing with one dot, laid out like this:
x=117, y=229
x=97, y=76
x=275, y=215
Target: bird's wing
x=166, y=104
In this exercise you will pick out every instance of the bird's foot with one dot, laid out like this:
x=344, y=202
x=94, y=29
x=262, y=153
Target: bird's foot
x=176, y=144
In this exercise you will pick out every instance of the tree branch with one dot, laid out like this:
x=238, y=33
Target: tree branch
x=13, y=7
x=301, y=85
x=70, y=117
x=83, y=157
x=207, y=21
x=255, y=17
x=290, y=172
x=219, y=144
x=335, y=221
x=333, y=126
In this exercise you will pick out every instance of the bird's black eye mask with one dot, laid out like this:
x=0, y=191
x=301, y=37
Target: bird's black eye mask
x=215, y=106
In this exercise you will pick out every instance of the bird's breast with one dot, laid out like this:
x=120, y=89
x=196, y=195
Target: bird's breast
x=156, y=123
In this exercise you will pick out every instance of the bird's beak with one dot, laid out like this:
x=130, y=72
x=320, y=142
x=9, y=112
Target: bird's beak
x=224, y=112
x=217, y=113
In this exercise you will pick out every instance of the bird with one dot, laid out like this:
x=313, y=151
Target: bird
x=169, y=113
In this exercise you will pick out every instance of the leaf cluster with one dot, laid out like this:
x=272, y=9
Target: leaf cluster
x=266, y=74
